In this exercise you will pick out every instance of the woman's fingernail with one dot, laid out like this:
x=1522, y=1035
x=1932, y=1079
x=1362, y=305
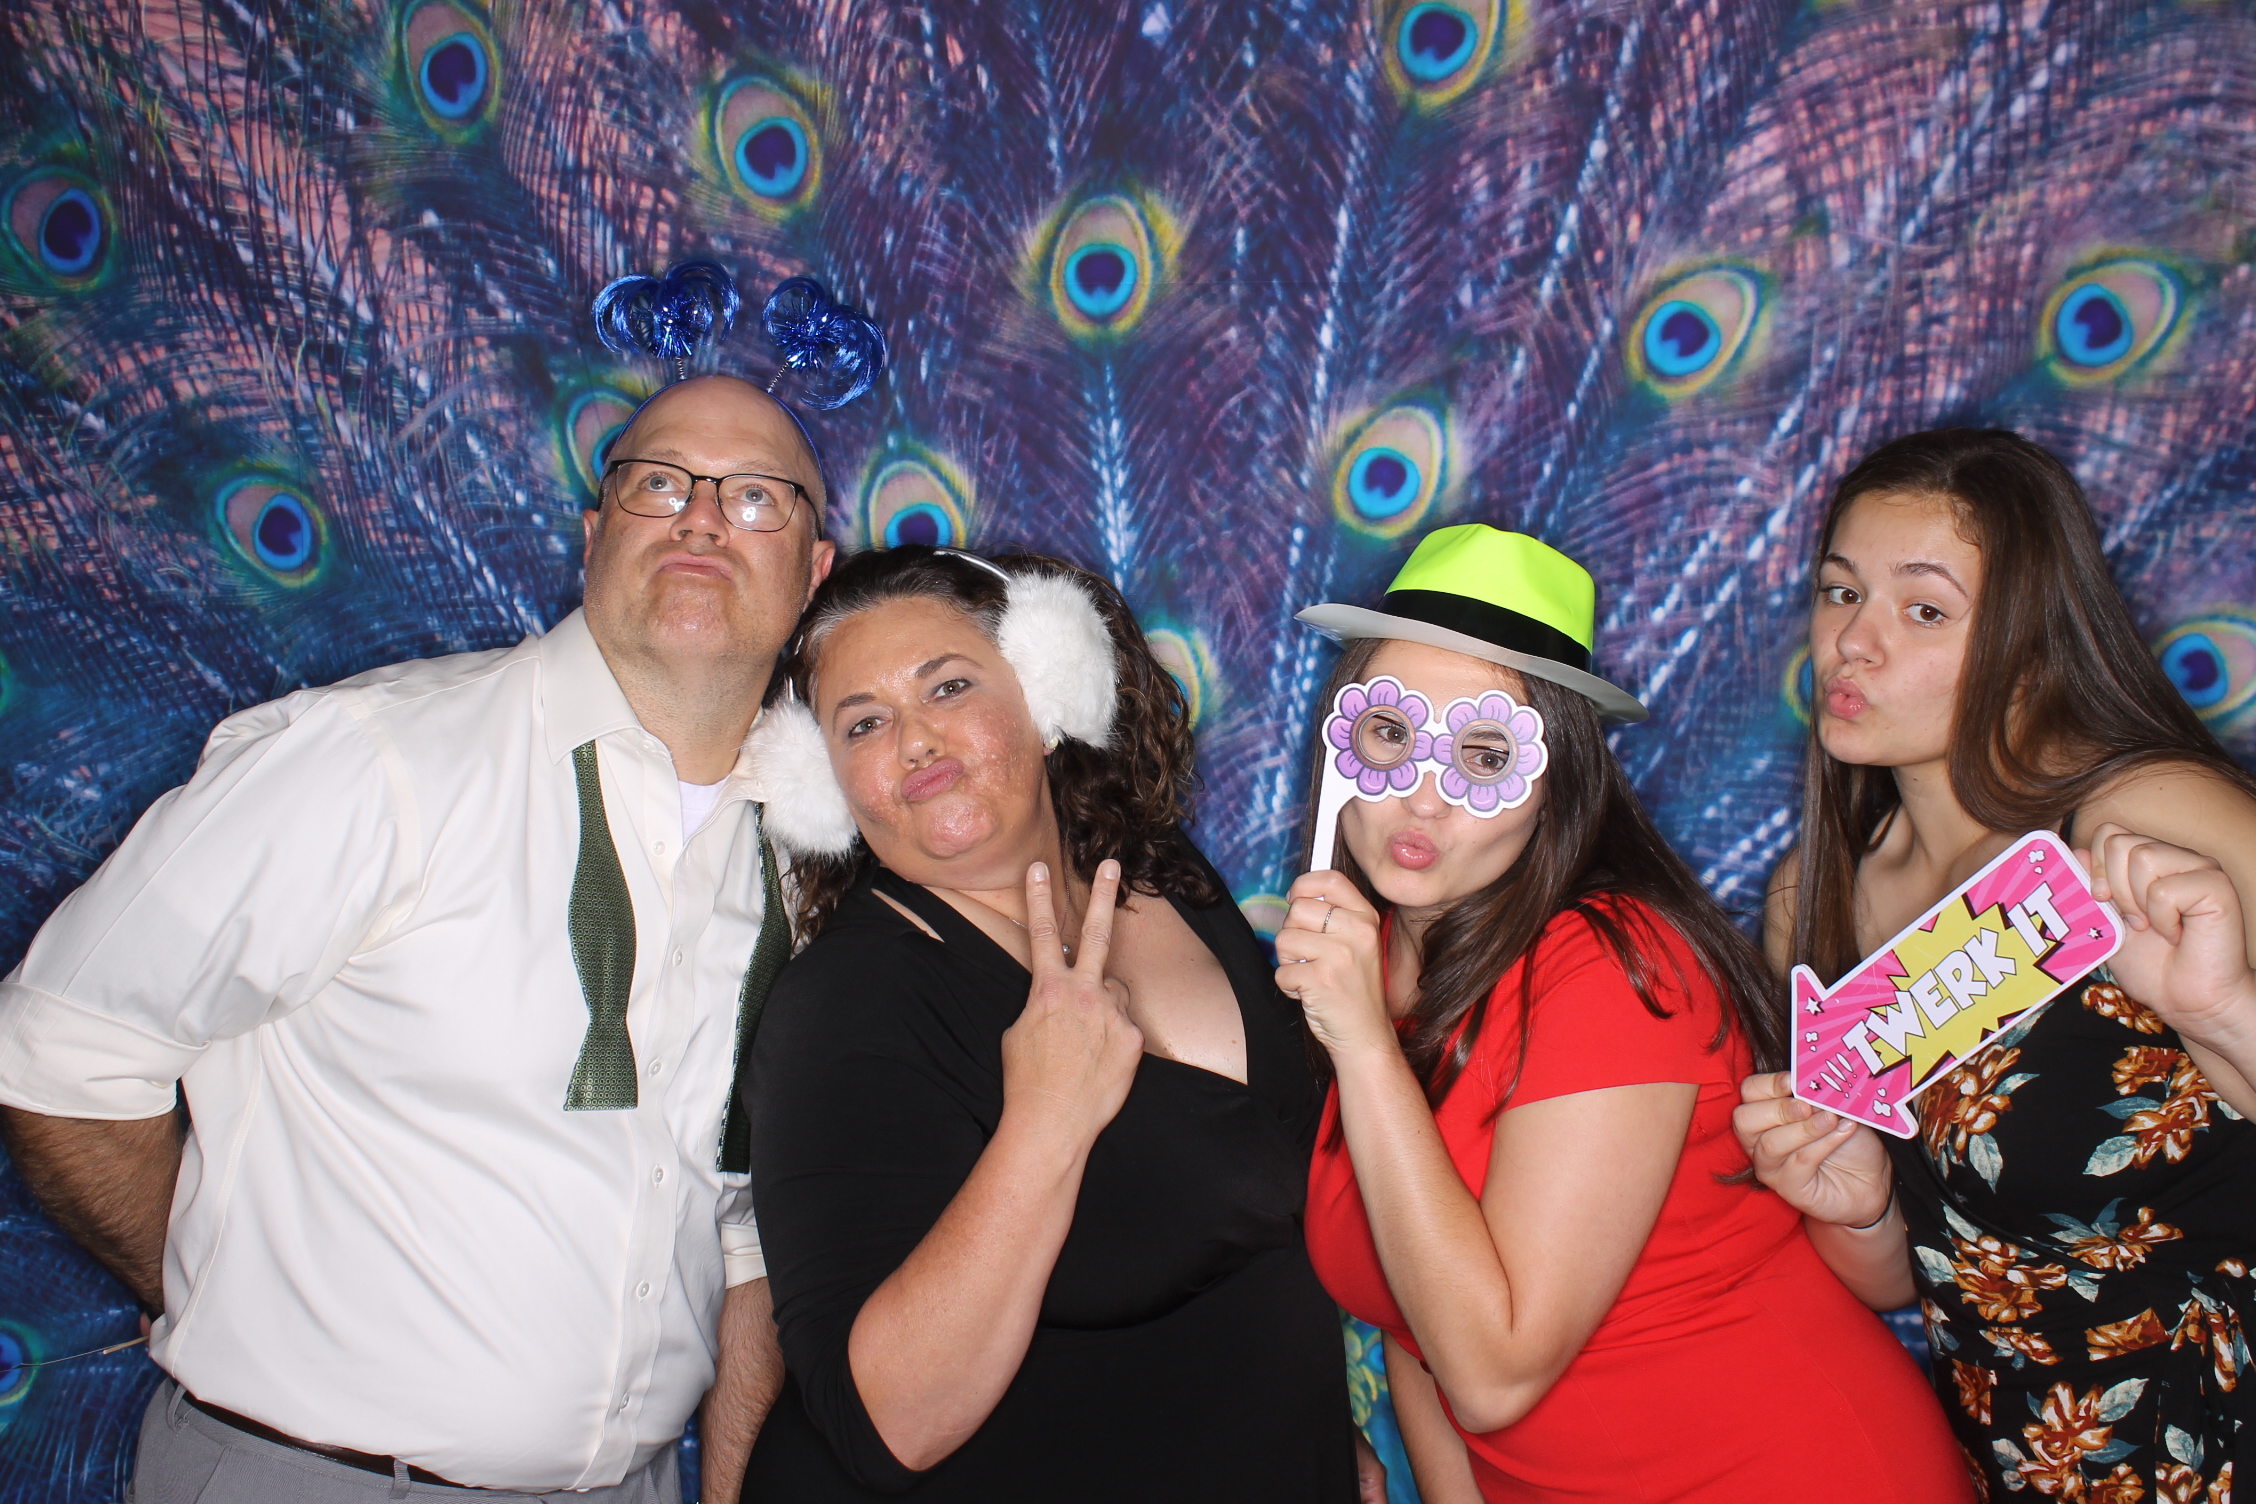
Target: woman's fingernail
x=1038, y=873
x=1108, y=868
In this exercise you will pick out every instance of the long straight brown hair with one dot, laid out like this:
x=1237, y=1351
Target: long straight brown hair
x=1593, y=844
x=2059, y=696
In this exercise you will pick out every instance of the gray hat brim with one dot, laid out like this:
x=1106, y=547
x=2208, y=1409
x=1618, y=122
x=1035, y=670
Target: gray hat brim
x=1348, y=623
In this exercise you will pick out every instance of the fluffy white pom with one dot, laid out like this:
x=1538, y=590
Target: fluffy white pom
x=1057, y=644
x=806, y=813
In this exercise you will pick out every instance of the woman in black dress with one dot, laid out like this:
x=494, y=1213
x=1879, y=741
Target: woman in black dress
x=1029, y=1167
x=2077, y=1213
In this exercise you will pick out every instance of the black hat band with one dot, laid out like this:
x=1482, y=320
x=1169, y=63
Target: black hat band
x=1500, y=625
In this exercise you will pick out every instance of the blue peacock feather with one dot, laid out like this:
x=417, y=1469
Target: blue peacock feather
x=297, y=375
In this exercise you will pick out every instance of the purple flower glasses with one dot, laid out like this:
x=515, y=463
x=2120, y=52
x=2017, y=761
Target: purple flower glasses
x=1488, y=751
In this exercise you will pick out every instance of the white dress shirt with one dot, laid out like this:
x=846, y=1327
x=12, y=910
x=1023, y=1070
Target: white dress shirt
x=345, y=937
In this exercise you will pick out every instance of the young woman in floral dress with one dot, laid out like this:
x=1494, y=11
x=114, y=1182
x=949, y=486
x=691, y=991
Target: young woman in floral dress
x=2077, y=1213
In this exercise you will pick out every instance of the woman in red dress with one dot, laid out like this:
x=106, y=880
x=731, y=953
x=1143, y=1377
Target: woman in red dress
x=1538, y=1023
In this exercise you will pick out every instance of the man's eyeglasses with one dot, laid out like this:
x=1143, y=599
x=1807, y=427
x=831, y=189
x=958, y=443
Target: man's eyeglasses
x=652, y=488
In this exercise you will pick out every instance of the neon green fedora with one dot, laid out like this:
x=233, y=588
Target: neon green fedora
x=1501, y=596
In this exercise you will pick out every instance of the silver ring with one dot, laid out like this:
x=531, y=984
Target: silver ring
x=1328, y=910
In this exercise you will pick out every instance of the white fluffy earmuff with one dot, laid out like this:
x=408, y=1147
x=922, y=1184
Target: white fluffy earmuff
x=805, y=811
x=1057, y=644
x=1054, y=640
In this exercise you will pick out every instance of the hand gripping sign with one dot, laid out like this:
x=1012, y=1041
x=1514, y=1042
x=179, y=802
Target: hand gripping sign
x=1487, y=752
x=2011, y=939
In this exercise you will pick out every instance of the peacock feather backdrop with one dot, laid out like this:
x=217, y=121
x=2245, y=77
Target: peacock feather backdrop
x=1228, y=301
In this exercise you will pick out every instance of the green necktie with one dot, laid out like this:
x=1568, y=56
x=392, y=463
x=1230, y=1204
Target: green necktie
x=602, y=926
x=602, y=929
x=769, y=952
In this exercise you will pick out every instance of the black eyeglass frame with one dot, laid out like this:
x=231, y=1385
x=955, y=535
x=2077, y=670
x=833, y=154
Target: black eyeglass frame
x=799, y=494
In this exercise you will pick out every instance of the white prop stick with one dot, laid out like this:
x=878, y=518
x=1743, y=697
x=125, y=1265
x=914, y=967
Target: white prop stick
x=1337, y=790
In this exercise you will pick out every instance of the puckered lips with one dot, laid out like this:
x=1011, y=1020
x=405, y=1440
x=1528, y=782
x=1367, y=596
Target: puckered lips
x=711, y=566
x=1412, y=850
x=931, y=780
x=1843, y=699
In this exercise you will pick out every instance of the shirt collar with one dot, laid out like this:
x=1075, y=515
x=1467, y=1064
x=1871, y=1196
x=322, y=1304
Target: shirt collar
x=580, y=700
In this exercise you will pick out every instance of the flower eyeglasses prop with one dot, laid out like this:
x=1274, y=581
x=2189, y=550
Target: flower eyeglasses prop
x=1486, y=752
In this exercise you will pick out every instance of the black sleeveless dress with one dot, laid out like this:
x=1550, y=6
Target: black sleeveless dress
x=1185, y=1351
x=2083, y=1216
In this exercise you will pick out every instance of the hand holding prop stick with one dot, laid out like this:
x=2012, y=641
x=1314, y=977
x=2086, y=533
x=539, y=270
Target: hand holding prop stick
x=2010, y=939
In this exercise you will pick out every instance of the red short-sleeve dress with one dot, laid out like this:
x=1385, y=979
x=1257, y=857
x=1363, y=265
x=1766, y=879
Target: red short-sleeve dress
x=1733, y=1365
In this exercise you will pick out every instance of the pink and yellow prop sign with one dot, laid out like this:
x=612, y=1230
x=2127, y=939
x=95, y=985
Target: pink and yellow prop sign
x=2009, y=941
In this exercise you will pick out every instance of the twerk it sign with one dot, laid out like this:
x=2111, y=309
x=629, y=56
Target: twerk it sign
x=2009, y=941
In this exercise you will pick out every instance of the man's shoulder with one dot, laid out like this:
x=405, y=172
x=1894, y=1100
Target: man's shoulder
x=453, y=682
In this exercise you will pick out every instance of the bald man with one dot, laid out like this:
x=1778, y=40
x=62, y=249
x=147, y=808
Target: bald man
x=449, y=965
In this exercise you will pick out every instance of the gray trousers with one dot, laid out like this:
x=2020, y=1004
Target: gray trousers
x=186, y=1457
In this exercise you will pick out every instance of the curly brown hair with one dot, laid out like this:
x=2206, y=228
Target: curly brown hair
x=1128, y=801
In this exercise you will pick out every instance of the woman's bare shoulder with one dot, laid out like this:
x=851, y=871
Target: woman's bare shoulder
x=1781, y=903
x=2184, y=803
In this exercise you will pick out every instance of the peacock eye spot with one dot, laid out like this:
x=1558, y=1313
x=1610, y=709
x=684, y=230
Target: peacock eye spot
x=1435, y=40
x=70, y=233
x=2094, y=327
x=1382, y=482
x=923, y=523
x=587, y=426
x=772, y=157
x=1681, y=339
x=766, y=143
x=1390, y=470
x=911, y=500
x=1438, y=49
x=273, y=526
x=1103, y=267
x=2106, y=319
x=454, y=75
x=16, y=1370
x=61, y=224
x=1690, y=332
x=2212, y=661
x=1100, y=279
x=450, y=61
x=2197, y=668
x=1797, y=686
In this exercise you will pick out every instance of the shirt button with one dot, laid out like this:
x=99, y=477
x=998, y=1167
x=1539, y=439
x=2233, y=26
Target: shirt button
x=659, y=847
x=642, y=1291
x=677, y=958
x=658, y=1176
x=654, y=1065
x=625, y=1400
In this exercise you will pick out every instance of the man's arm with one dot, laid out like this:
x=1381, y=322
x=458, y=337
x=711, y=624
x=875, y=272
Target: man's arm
x=109, y=1185
x=749, y=1376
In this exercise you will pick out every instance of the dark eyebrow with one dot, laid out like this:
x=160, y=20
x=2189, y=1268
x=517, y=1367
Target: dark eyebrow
x=1927, y=566
x=1840, y=559
x=922, y=669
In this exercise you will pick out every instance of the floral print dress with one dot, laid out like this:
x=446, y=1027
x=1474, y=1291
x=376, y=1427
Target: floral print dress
x=2083, y=1215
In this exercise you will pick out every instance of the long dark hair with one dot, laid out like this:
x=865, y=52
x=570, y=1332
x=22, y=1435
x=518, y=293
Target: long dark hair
x=2058, y=698
x=1127, y=802
x=1593, y=846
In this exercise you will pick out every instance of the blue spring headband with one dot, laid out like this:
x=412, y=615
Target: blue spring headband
x=837, y=352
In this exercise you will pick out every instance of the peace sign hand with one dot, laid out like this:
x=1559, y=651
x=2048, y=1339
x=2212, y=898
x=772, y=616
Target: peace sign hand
x=1073, y=1053
x=2185, y=942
